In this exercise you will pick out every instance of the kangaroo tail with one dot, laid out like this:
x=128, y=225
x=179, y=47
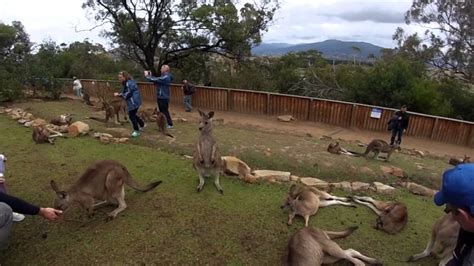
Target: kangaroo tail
x=169, y=135
x=341, y=234
x=131, y=183
x=357, y=154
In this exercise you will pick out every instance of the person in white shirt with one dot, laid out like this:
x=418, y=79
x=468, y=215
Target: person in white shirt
x=77, y=87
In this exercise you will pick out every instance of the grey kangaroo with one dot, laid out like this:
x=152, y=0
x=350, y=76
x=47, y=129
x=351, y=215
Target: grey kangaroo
x=444, y=235
x=207, y=159
x=305, y=201
x=313, y=246
x=103, y=181
x=377, y=146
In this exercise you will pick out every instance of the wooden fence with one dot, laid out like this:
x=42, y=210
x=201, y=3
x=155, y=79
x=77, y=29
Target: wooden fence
x=344, y=114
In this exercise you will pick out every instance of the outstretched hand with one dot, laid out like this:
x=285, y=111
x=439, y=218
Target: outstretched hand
x=146, y=73
x=50, y=213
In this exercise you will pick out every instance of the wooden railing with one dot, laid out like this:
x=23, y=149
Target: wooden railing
x=339, y=113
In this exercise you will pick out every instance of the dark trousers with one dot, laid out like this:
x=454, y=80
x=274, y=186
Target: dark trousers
x=136, y=121
x=396, y=132
x=163, y=108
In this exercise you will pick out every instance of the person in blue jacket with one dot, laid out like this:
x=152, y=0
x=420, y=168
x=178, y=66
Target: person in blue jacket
x=131, y=94
x=162, y=91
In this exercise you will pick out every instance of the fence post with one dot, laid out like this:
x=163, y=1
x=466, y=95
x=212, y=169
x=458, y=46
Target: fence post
x=230, y=102
x=310, y=109
x=353, y=115
x=435, y=127
x=268, y=111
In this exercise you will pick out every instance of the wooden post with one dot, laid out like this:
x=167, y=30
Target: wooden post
x=435, y=128
x=470, y=137
x=353, y=115
x=310, y=109
x=269, y=108
x=230, y=102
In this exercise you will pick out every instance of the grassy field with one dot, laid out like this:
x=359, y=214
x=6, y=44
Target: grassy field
x=175, y=225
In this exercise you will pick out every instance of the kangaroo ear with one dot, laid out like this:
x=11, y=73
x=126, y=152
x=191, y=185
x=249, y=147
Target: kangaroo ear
x=201, y=113
x=292, y=188
x=54, y=186
x=211, y=114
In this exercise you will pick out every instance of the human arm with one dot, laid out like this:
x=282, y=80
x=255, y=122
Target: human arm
x=23, y=207
x=160, y=80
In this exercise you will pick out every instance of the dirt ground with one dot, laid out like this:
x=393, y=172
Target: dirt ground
x=270, y=123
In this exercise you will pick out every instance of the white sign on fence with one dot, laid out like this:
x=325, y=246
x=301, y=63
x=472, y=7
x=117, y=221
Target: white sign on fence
x=376, y=113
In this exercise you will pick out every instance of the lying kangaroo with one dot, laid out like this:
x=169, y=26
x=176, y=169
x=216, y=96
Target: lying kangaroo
x=456, y=161
x=104, y=181
x=162, y=123
x=41, y=134
x=377, y=146
x=336, y=148
x=313, y=246
x=392, y=216
x=207, y=159
x=444, y=235
x=62, y=120
x=305, y=201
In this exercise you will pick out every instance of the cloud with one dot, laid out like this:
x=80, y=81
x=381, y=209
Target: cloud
x=374, y=15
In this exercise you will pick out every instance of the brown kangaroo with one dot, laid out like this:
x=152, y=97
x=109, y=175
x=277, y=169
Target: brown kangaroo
x=305, y=201
x=377, y=146
x=442, y=242
x=42, y=134
x=162, y=123
x=62, y=120
x=336, y=148
x=103, y=181
x=313, y=246
x=392, y=216
x=207, y=159
x=456, y=161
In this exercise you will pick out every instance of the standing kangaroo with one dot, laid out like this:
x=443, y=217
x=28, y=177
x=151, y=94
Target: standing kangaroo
x=392, y=217
x=456, y=161
x=103, y=181
x=207, y=159
x=377, y=146
x=313, y=246
x=161, y=123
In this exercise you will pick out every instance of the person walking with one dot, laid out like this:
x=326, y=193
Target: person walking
x=77, y=87
x=162, y=91
x=188, y=91
x=131, y=95
x=398, y=124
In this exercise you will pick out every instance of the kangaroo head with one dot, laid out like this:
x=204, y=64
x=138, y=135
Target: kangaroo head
x=62, y=200
x=292, y=196
x=205, y=125
x=466, y=159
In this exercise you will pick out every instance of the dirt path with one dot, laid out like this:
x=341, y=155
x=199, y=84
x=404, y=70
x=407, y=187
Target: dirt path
x=318, y=129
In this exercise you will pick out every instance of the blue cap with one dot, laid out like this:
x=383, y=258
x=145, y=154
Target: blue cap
x=458, y=187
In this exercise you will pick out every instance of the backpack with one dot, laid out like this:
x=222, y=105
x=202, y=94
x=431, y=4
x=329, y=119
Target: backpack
x=392, y=123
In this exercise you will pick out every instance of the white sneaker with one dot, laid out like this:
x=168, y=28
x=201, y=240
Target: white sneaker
x=18, y=217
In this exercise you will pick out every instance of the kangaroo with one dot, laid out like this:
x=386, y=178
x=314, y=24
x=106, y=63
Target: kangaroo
x=207, y=159
x=147, y=115
x=336, y=148
x=442, y=242
x=392, y=216
x=62, y=120
x=305, y=201
x=42, y=134
x=104, y=181
x=162, y=123
x=456, y=161
x=87, y=98
x=112, y=109
x=377, y=146
x=313, y=246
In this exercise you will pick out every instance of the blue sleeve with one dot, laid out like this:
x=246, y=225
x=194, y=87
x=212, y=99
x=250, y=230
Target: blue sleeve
x=19, y=205
x=128, y=90
x=160, y=80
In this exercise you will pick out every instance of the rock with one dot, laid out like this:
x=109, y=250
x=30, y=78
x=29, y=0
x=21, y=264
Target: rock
x=78, y=128
x=120, y=132
x=360, y=186
x=183, y=120
x=311, y=181
x=294, y=178
x=98, y=135
x=383, y=189
x=38, y=122
x=398, y=172
x=324, y=137
x=122, y=140
x=105, y=139
x=286, y=118
x=418, y=189
x=386, y=170
x=361, y=144
x=270, y=174
x=235, y=166
x=22, y=121
x=16, y=116
x=188, y=157
x=28, y=116
x=366, y=171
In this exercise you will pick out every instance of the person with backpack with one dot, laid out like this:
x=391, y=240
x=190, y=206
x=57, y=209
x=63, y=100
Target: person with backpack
x=188, y=91
x=398, y=124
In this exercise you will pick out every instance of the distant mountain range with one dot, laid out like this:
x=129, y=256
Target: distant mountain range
x=329, y=48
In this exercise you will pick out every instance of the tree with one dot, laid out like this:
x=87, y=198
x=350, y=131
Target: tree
x=356, y=51
x=449, y=34
x=166, y=31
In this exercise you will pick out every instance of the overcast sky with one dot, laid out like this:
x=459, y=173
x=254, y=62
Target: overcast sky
x=298, y=21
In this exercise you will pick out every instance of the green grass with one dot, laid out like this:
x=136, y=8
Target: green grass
x=175, y=225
